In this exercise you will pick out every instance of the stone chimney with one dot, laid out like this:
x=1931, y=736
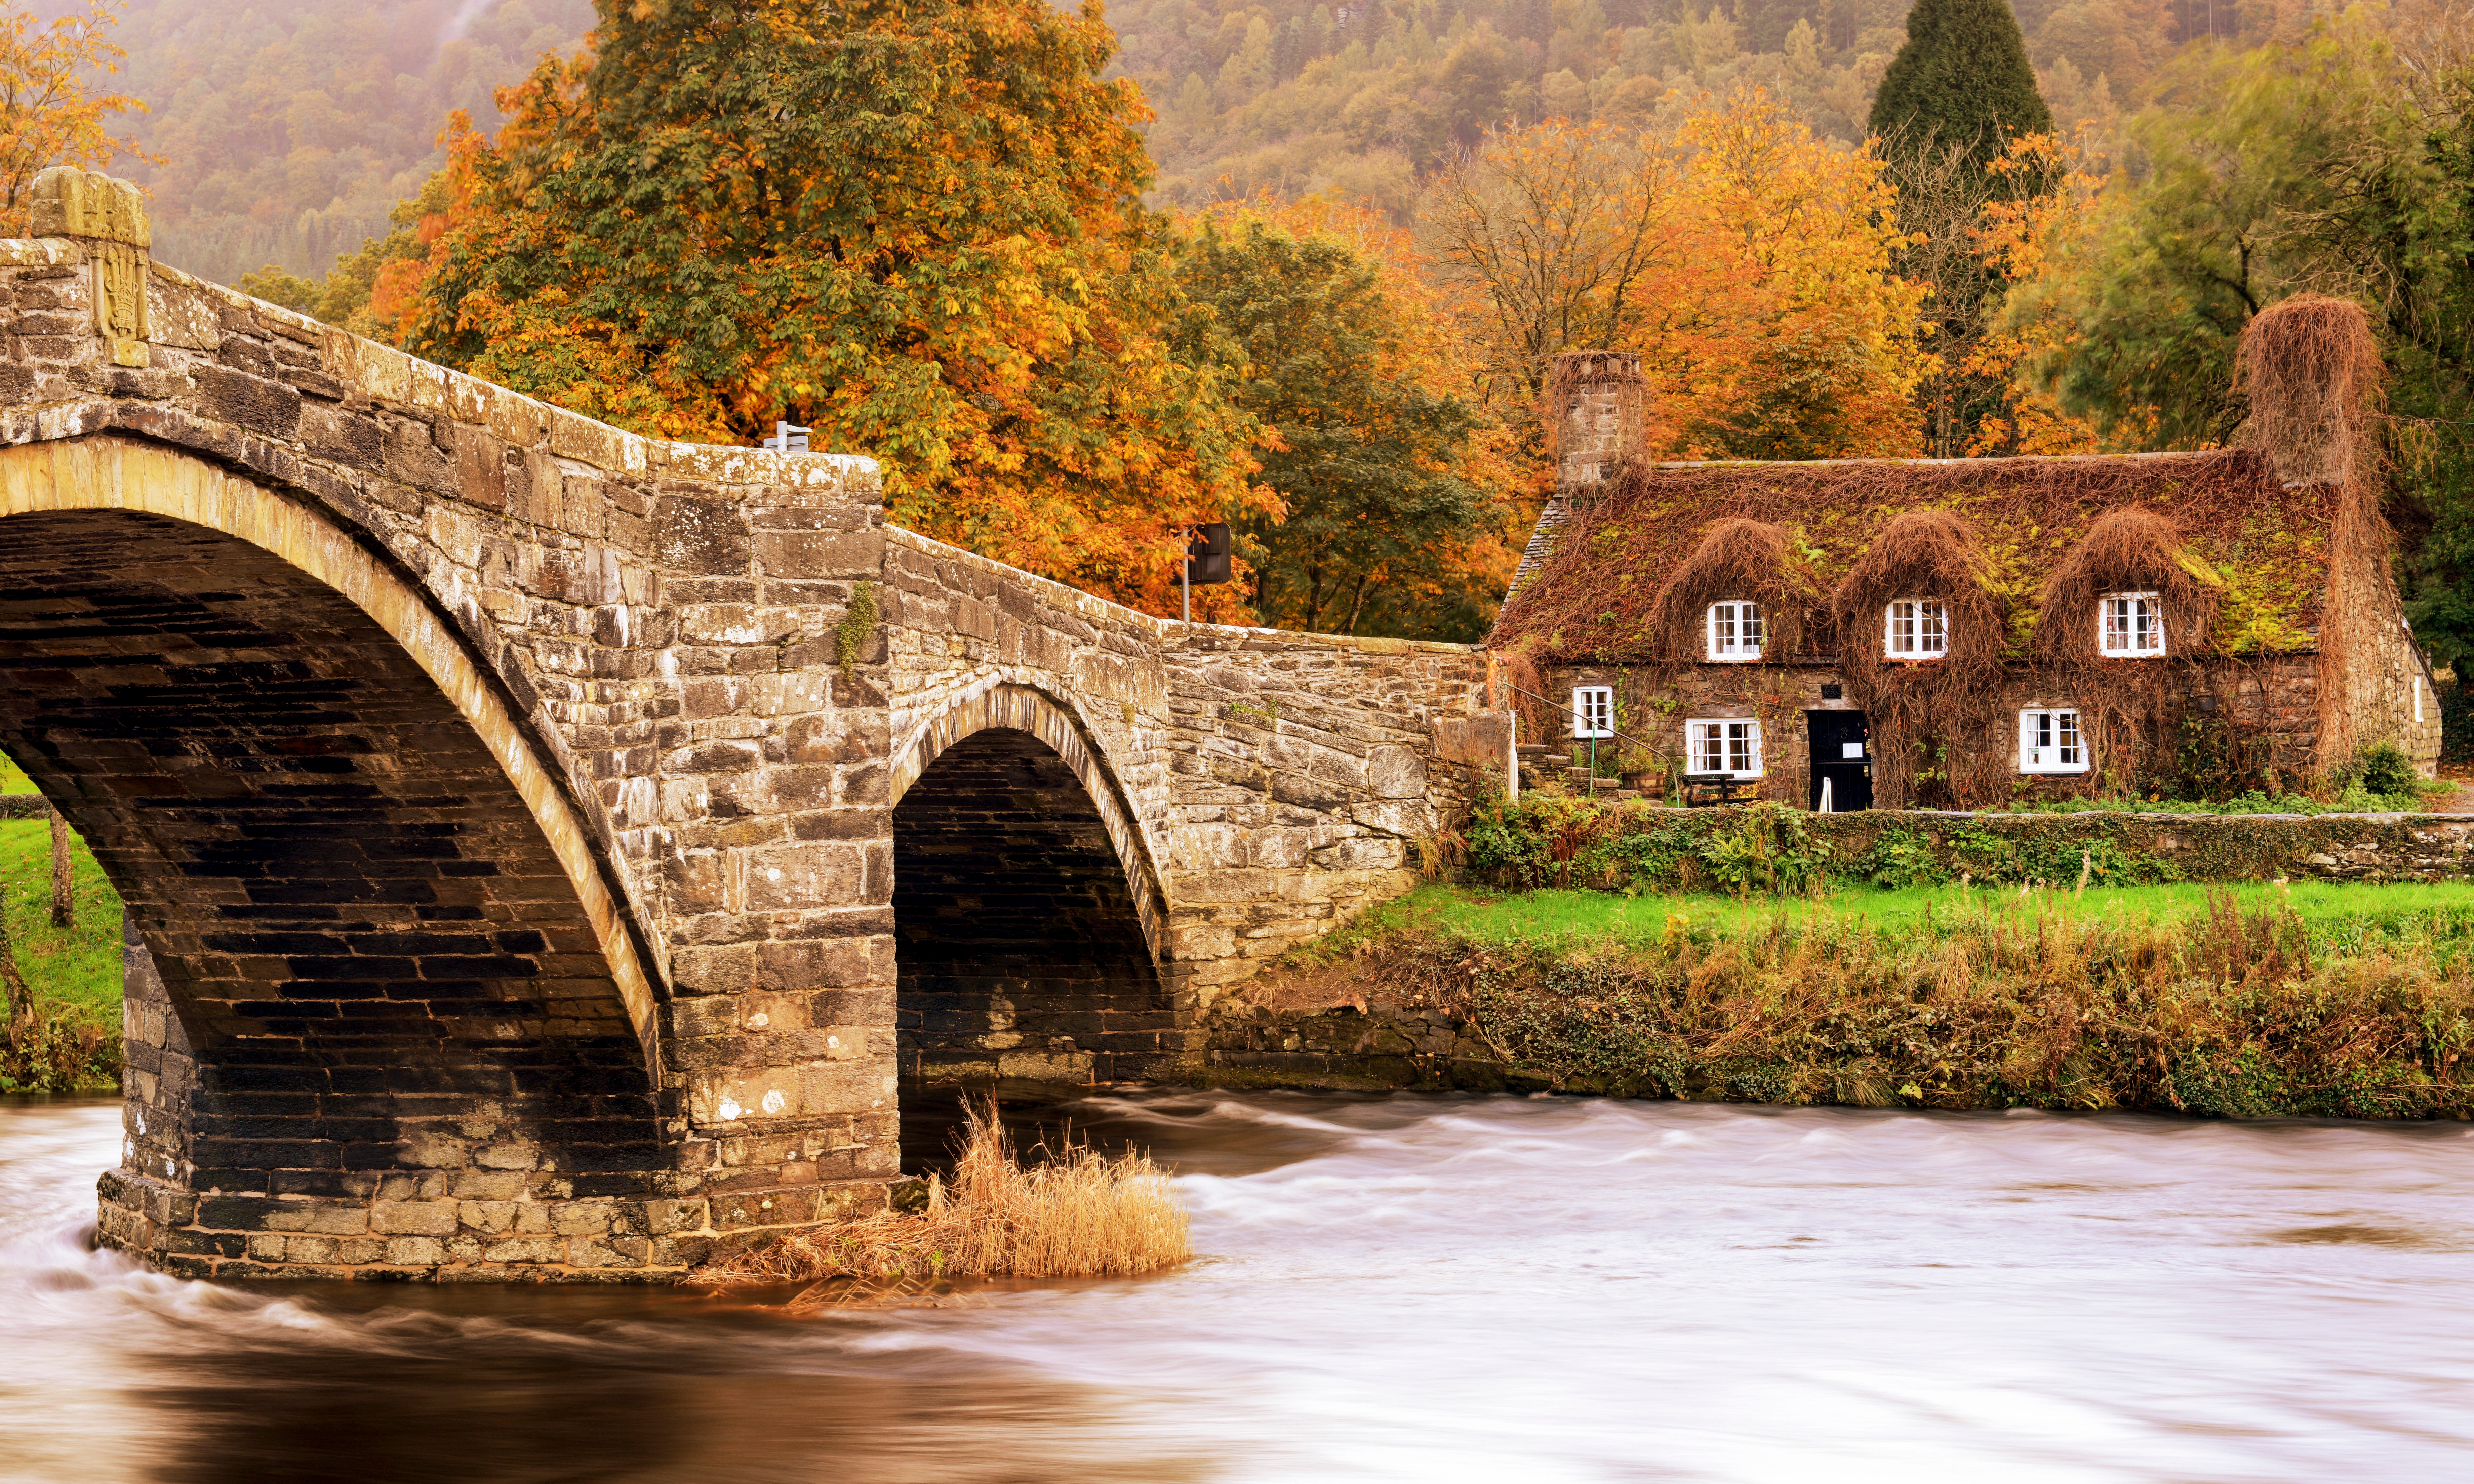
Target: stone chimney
x=1593, y=423
x=1595, y=399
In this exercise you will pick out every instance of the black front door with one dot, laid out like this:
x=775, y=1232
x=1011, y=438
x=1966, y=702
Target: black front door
x=1842, y=757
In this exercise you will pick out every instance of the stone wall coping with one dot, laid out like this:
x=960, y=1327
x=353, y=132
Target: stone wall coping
x=388, y=375
x=39, y=253
x=1163, y=630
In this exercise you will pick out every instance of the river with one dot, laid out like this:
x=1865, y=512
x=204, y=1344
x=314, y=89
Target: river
x=1426, y=1288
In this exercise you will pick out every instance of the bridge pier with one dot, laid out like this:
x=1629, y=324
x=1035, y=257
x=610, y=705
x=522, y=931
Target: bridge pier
x=545, y=845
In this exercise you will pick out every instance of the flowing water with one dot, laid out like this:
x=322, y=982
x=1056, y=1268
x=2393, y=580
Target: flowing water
x=1398, y=1288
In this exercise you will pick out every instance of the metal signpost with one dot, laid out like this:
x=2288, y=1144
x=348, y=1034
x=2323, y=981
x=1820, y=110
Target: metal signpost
x=1206, y=561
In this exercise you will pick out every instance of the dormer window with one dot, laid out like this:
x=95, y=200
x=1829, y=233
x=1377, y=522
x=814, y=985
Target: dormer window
x=1917, y=628
x=2131, y=625
x=1737, y=632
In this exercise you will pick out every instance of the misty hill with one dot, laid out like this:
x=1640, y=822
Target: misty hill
x=290, y=127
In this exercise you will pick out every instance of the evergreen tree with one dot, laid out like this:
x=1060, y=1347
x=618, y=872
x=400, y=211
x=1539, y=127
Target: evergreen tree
x=1962, y=79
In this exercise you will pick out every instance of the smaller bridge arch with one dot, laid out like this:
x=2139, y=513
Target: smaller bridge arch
x=1029, y=920
x=1017, y=707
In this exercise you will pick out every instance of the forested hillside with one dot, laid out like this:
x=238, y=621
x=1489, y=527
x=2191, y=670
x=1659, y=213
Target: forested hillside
x=1365, y=97
x=289, y=128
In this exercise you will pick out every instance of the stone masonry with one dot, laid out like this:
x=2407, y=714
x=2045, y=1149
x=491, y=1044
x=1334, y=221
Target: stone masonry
x=540, y=862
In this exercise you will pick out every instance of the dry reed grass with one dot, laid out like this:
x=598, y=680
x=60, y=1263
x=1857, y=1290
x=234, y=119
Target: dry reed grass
x=1076, y=1213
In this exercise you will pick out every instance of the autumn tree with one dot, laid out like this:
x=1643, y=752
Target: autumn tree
x=915, y=227
x=1397, y=499
x=371, y=290
x=2018, y=238
x=1771, y=322
x=48, y=115
x=1540, y=236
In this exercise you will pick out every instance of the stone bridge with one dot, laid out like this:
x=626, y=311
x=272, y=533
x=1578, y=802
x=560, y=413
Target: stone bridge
x=551, y=851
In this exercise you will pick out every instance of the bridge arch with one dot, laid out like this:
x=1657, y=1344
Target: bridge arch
x=1029, y=922
x=114, y=474
x=385, y=975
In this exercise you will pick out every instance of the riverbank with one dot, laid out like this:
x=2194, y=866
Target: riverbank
x=2308, y=1000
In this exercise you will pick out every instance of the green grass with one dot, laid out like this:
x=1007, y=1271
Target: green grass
x=80, y=966
x=2342, y=914
x=12, y=779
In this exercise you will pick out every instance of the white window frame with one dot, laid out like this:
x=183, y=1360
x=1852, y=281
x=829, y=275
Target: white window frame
x=1593, y=711
x=1740, y=616
x=1737, y=741
x=2042, y=732
x=1920, y=615
x=2137, y=605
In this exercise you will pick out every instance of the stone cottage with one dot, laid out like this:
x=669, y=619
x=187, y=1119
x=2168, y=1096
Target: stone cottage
x=1972, y=633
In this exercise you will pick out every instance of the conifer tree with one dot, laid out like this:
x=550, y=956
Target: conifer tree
x=1962, y=80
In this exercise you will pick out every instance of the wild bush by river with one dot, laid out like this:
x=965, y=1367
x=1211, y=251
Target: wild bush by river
x=2353, y=1001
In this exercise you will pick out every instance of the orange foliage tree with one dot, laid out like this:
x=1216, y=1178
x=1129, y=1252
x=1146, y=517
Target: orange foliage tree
x=2019, y=237
x=1747, y=261
x=912, y=224
x=1772, y=326
x=47, y=116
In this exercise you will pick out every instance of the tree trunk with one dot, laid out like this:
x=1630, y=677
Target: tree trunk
x=12, y=983
x=64, y=898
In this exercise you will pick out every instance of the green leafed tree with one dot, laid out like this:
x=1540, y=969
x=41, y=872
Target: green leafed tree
x=1962, y=80
x=1366, y=455
x=2334, y=166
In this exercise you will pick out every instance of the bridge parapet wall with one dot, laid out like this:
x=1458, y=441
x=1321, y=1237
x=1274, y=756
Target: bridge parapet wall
x=1274, y=784
x=1306, y=780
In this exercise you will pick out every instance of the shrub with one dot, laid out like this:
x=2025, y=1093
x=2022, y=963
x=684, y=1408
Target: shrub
x=2383, y=770
x=1772, y=852
x=57, y=1048
x=1900, y=858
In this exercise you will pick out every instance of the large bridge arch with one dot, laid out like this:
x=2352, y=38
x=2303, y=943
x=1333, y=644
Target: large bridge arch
x=1029, y=923
x=387, y=986
x=116, y=474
